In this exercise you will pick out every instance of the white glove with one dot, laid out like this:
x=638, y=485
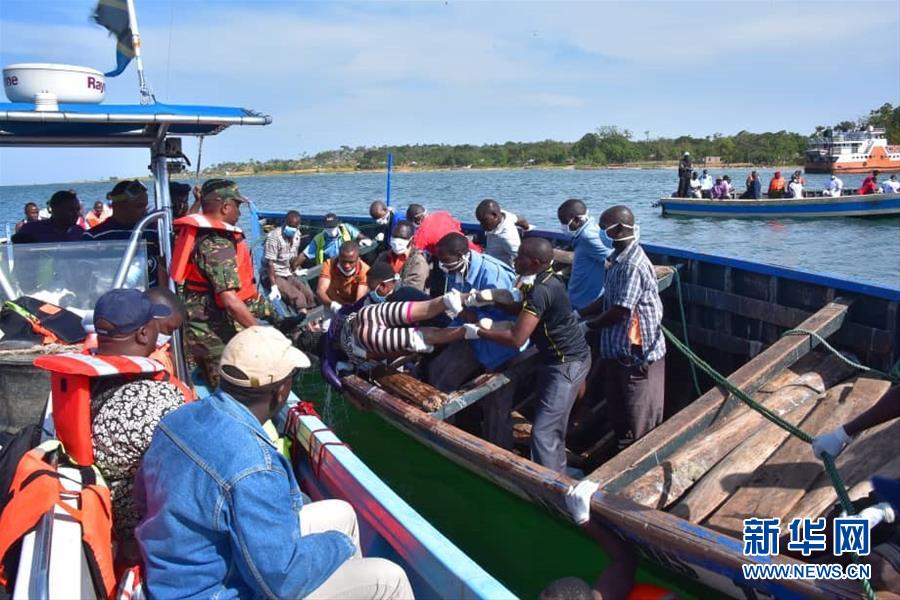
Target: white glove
x=365, y=243
x=479, y=298
x=453, y=302
x=378, y=238
x=274, y=294
x=832, y=442
x=471, y=331
x=485, y=322
x=578, y=500
x=301, y=272
x=881, y=512
x=335, y=306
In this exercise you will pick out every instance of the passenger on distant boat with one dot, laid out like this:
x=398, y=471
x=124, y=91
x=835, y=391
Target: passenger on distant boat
x=213, y=262
x=754, y=187
x=405, y=260
x=589, y=254
x=729, y=188
x=776, y=186
x=684, y=175
x=235, y=506
x=695, y=186
x=795, y=187
x=720, y=190
x=385, y=221
x=343, y=279
x=632, y=346
x=327, y=243
x=798, y=174
x=835, y=187
x=60, y=227
x=564, y=359
x=282, y=255
x=178, y=195
x=869, y=185
x=96, y=215
x=890, y=186
x=501, y=229
x=706, y=184
x=31, y=214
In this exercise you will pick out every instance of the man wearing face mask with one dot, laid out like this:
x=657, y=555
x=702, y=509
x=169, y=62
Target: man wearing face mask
x=282, y=254
x=632, y=346
x=385, y=220
x=589, y=256
x=327, y=243
x=406, y=260
x=501, y=229
x=546, y=318
x=343, y=279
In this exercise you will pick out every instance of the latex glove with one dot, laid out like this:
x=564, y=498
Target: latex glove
x=880, y=513
x=379, y=237
x=301, y=272
x=578, y=500
x=365, y=243
x=274, y=294
x=453, y=302
x=479, y=298
x=832, y=442
x=471, y=331
x=485, y=322
x=335, y=306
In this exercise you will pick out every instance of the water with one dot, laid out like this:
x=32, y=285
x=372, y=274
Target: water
x=860, y=249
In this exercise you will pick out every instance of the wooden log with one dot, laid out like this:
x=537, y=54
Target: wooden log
x=408, y=388
x=785, y=478
x=739, y=465
x=662, y=441
x=665, y=483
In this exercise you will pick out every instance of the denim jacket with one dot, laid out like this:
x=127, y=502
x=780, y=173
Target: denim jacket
x=221, y=511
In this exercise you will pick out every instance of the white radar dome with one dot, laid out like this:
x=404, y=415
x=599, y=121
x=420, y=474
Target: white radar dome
x=69, y=83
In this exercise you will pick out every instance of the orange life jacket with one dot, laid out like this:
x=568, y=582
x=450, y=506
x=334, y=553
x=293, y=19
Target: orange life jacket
x=776, y=184
x=183, y=270
x=36, y=490
x=71, y=378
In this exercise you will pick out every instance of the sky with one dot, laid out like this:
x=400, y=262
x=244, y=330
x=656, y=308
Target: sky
x=392, y=73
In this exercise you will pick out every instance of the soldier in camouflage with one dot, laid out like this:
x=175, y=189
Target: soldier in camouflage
x=208, y=326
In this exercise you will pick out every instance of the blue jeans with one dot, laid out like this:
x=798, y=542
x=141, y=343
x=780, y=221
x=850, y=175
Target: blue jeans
x=558, y=387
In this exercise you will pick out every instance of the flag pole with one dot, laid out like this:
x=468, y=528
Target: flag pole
x=390, y=165
x=146, y=95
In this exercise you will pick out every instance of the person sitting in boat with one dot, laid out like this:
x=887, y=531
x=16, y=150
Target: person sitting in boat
x=545, y=317
x=233, y=507
x=179, y=194
x=407, y=261
x=327, y=243
x=430, y=228
x=890, y=185
x=31, y=214
x=167, y=325
x=835, y=187
x=385, y=220
x=869, y=185
x=798, y=175
x=96, y=215
x=283, y=258
x=212, y=262
x=416, y=213
x=60, y=227
x=695, y=186
x=776, y=186
x=589, y=255
x=501, y=230
x=720, y=190
x=729, y=188
x=754, y=187
x=343, y=279
x=795, y=187
x=125, y=411
x=706, y=184
x=632, y=346
x=129, y=205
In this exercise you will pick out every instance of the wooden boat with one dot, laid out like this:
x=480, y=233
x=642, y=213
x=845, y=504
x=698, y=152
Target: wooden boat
x=680, y=493
x=871, y=205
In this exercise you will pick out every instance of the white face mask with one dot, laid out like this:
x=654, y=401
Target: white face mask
x=399, y=245
x=456, y=267
x=163, y=339
x=385, y=219
x=635, y=232
x=582, y=219
x=332, y=231
x=346, y=272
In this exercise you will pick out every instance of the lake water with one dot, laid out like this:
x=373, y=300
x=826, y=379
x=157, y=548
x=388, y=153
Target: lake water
x=861, y=249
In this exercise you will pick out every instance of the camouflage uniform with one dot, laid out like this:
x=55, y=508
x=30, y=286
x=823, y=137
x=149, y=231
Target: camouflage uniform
x=208, y=328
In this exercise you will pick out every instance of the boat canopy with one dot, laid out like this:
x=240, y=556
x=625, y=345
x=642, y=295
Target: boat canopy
x=126, y=125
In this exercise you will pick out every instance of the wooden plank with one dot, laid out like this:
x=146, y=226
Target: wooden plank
x=408, y=388
x=722, y=342
x=657, y=445
x=784, y=478
x=665, y=483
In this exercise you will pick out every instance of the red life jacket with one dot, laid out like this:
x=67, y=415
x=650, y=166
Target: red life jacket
x=36, y=490
x=183, y=270
x=71, y=378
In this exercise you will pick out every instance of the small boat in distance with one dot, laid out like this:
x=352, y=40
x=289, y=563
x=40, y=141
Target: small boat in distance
x=852, y=152
x=854, y=205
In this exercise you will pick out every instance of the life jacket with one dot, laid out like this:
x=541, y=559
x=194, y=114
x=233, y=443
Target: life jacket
x=189, y=230
x=30, y=319
x=319, y=241
x=36, y=490
x=71, y=378
x=776, y=184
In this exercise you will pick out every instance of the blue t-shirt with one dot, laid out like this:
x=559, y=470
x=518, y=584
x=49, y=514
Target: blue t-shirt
x=588, y=270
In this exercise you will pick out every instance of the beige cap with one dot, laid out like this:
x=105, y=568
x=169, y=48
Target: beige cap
x=264, y=354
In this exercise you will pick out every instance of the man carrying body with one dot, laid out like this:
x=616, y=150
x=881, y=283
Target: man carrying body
x=213, y=262
x=60, y=227
x=406, y=260
x=234, y=507
x=564, y=358
x=31, y=214
x=684, y=175
x=501, y=230
x=632, y=346
x=327, y=243
x=282, y=254
x=589, y=254
x=343, y=279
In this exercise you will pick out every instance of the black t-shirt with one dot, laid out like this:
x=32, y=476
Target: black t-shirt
x=557, y=336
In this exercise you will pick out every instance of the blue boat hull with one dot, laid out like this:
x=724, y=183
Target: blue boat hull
x=875, y=205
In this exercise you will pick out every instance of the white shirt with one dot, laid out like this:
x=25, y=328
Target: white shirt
x=706, y=182
x=796, y=189
x=503, y=242
x=835, y=186
x=890, y=187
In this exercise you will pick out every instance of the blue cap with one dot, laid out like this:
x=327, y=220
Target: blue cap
x=126, y=311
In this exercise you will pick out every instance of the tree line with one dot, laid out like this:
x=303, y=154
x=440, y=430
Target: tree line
x=607, y=145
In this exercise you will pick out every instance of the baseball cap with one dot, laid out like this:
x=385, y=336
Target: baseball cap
x=125, y=311
x=225, y=189
x=263, y=355
x=332, y=220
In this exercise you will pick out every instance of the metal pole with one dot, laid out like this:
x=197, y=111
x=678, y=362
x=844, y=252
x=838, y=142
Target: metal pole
x=146, y=95
x=133, y=242
x=390, y=165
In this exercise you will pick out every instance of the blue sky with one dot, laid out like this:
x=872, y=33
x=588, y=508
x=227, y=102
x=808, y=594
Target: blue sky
x=370, y=73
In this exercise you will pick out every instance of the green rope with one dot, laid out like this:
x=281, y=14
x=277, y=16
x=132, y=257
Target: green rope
x=684, y=329
x=893, y=375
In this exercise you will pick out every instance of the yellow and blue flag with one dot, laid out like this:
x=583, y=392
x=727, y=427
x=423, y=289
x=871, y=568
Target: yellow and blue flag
x=113, y=14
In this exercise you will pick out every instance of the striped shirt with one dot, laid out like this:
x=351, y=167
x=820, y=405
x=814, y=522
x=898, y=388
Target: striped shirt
x=631, y=283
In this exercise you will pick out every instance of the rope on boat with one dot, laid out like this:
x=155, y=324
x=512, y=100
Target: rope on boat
x=892, y=376
x=684, y=329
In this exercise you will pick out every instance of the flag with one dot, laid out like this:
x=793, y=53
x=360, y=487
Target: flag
x=113, y=14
